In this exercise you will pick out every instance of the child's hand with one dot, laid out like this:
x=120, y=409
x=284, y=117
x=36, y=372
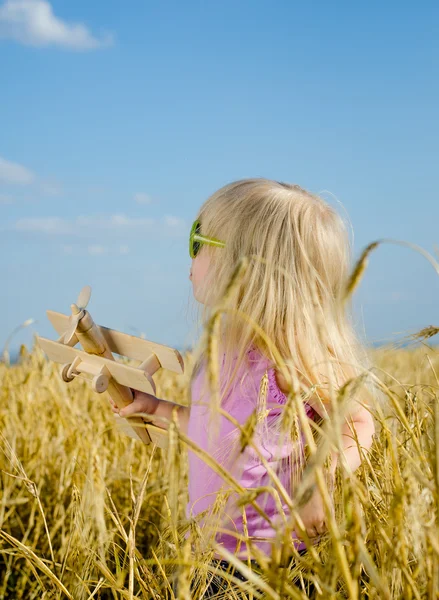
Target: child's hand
x=142, y=403
x=313, y=515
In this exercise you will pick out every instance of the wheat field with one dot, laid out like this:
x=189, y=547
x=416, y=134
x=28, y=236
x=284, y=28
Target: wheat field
x=86, y=512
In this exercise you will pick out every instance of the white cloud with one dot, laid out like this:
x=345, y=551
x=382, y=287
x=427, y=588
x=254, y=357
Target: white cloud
x=13, y=173
x=78, y=249
x=142, y=198
x=119, y=221
x=96, y=250
x=32, y=22
x=85, y=226
x=48, y=225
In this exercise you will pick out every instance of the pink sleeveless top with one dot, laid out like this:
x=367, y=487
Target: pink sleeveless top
x=247, y=468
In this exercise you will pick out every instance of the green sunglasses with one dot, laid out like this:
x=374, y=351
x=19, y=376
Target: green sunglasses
x=196, y=240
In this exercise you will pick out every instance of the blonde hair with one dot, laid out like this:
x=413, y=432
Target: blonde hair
x=300, y=254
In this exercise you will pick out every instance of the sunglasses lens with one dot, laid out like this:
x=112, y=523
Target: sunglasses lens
x=195, y=245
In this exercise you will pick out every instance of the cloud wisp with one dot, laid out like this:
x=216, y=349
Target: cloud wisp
x=33, y=23
x=15, y=174
x=142, y=198
x=89, y=226
x=94, y=250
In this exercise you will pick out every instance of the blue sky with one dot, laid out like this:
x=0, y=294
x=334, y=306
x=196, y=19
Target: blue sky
x=117, y=120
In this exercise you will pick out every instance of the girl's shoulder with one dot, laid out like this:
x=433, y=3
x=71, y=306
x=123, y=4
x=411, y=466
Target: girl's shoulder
x=279, y=381
x=277, y=385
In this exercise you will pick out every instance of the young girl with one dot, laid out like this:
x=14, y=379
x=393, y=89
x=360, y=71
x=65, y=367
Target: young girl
x=290, y=293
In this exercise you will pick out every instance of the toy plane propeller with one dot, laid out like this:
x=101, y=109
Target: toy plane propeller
x=96, y=362
x=77, y=312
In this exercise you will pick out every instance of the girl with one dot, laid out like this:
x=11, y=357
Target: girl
x=287, y=302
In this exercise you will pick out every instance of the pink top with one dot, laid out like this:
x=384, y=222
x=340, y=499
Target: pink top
x=204, y=482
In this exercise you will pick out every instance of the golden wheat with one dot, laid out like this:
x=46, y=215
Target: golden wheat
x=87, y=513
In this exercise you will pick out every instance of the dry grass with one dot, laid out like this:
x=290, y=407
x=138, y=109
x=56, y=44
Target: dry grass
x=88, y=513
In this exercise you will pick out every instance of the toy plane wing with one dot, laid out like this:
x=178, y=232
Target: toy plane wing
x=92, y=364
x=127, y=345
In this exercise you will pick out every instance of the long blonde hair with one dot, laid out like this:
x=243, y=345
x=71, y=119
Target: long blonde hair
x=299, y=259
x=290, y=296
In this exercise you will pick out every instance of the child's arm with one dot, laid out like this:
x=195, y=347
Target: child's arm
x=148, y=403
x=313, y=513
x=363, y=424
x=360, y=418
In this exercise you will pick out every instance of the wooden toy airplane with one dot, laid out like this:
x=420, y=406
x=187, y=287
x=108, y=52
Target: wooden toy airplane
x=96, y=362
